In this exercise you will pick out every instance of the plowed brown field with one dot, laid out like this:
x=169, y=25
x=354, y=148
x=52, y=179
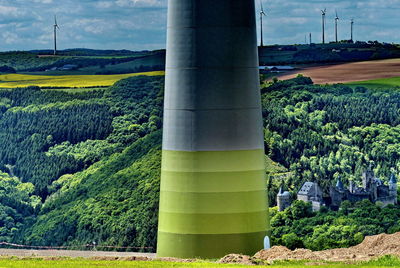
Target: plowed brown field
x=349, y=72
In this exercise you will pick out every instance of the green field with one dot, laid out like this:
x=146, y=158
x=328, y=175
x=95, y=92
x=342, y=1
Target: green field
x=78, y=81
x=385, y=83
x=78, y=263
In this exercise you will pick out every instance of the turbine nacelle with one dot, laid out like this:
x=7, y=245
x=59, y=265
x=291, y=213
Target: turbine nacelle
x=262, y=12
x=55, y=23
x=55, y=34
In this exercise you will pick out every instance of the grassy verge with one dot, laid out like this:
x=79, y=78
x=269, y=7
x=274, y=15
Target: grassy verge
x=24, y=80
x=385, y=83
x=386, y=261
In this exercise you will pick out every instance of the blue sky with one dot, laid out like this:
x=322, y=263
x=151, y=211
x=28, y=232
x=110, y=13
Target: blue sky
x=140, y=24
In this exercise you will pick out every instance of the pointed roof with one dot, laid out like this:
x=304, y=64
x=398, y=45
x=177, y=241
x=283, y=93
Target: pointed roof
x=280, y=190
x=307, y=188
x=393, y=179
x=339, y=184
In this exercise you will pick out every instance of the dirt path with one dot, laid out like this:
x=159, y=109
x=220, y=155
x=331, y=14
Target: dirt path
x=73, y=253
x=349, y=72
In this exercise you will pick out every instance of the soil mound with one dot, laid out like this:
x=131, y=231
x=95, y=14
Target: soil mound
x=237, y=258
x=371, y=247
x=283, y=253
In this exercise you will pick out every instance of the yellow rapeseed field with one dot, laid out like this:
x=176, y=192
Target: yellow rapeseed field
x=24, y=80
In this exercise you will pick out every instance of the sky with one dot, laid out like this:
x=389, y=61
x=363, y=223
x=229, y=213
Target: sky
x=141, y=24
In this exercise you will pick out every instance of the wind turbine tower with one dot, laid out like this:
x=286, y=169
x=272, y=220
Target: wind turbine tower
x=352, y=27
x=323, y=25
x=213, y=198
x=55, y=34
x=262, y=14
x=336, y=27
x=310, y=38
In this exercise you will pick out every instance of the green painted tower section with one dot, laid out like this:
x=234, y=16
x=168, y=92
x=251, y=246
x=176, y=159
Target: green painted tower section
x=213, y=198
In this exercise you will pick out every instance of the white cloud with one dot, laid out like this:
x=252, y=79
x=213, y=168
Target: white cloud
x=10, y=11
x=10, y=38
x=141, y=3
x=43, y=1
x=104, y=4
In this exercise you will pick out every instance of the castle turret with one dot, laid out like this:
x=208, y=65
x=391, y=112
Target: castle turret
x=352, y=186
x=339, y=185
x=283, y=199
x=393, y=187
x=367, y=178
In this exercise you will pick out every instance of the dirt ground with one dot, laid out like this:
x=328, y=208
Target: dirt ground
x=349, y=72
x=372, y=247
x=74, y=254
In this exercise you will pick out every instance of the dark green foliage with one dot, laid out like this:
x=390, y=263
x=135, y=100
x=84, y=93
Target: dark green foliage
x=17, y=204
x=93, y=157
x=20, y=60
x=321, y=132
x=114, y=202
x=33, y=62
x=328, y=229
x=6, y=69
x=35, y=96
x=27, y=133
x=39, y=135
x=344, y=51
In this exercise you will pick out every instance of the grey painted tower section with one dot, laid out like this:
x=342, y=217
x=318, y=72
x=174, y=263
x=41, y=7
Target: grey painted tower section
x=212, y=101
x=212, y=197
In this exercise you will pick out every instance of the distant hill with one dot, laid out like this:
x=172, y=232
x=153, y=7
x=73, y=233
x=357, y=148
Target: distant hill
x=95, y=61
x=327, y=53
x=90, y=52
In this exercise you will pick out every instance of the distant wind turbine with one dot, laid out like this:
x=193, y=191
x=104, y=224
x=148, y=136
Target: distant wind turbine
x=262, y=14
x=336, y=27
x=323, y=25
x=352, y=25
x=55, y=34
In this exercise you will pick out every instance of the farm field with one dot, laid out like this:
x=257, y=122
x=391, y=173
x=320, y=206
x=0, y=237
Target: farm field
x=378, y=83
x=79, y=81
x=349, y=72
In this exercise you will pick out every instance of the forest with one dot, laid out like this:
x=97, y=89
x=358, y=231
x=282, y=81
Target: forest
x=83, y=166
x=322, y=132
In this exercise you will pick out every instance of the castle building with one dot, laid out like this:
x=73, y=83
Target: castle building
x=283, y=199
x=311, y=192
x=372, y=188
x=393, y=188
